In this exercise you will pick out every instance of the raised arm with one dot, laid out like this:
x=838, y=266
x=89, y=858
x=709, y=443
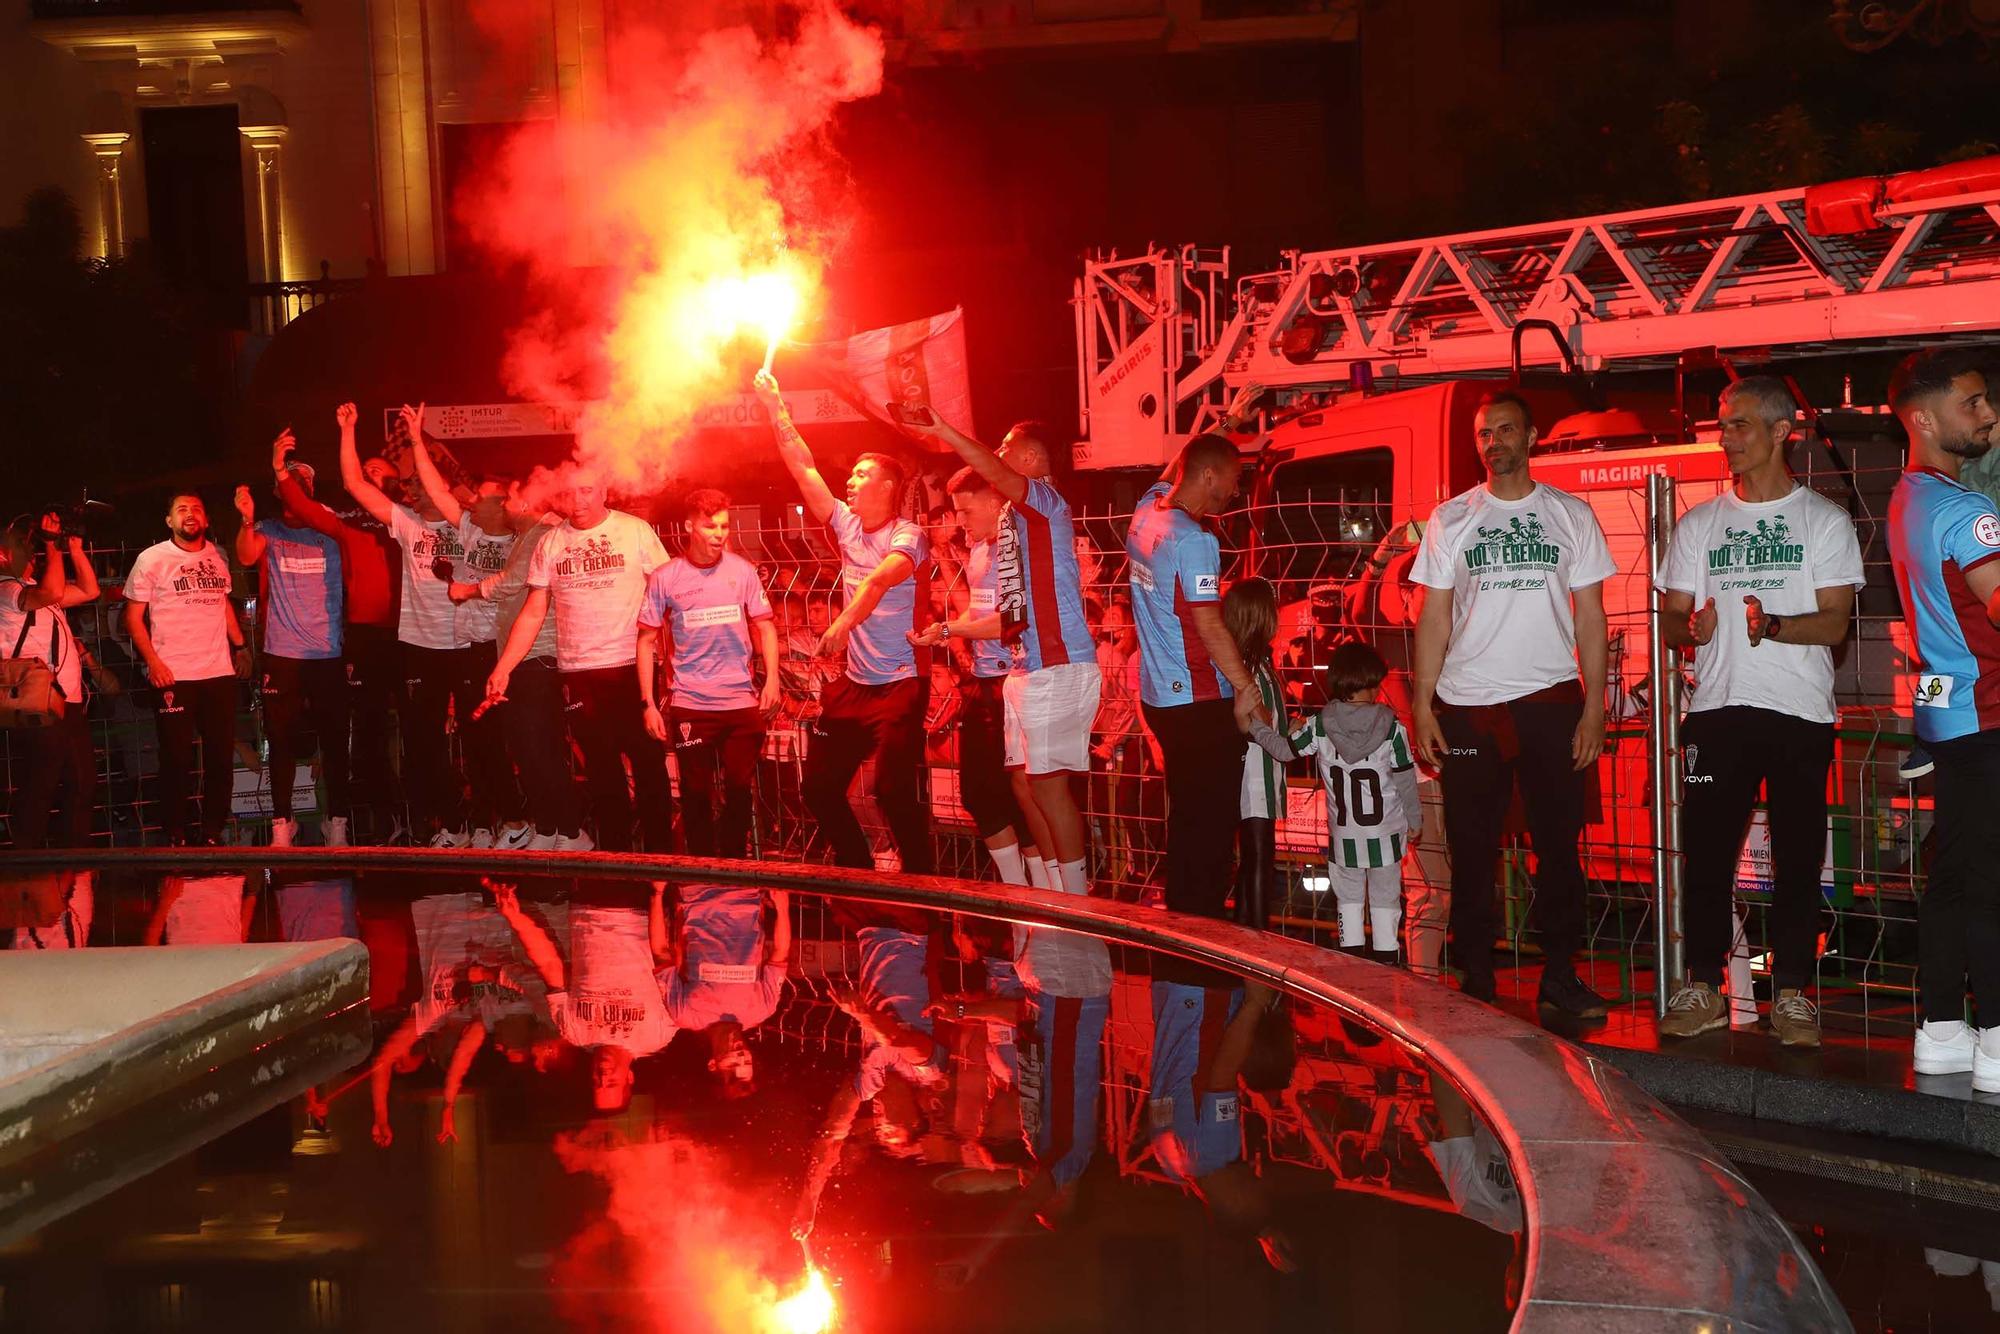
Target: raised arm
x=534, y=940
x=83, y=576
x=366, y=494
x=984, y=461
x=54, y=584
x=894, y=569
x=1433, y=635
x=797, y=458
x=431, y=479
x=250, y=544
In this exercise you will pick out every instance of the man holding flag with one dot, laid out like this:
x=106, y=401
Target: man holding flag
x=876, y=709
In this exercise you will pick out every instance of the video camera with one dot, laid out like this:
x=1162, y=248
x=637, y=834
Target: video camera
x=75, y=519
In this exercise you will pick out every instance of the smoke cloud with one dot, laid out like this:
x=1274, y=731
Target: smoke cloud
x=706, y=172
x=675, y=1247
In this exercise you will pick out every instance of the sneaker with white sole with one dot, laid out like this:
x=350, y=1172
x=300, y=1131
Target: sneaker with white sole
x=513, y=839
x=482, y=838
x=333, y=831
x=450, y=838
x=283, y=832
x=1915, y=764
x=543, y=842
x=581, y=841
x=1945, y=1047
x=1986, y=1061
x=1696, y=1008
x=1794, y=1019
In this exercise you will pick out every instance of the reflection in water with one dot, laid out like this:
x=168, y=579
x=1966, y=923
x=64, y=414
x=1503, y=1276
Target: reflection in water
x=932, y=1122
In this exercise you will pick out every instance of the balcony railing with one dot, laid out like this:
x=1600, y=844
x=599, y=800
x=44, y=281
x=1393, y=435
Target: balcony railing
x=274, y=305
x=125, y=9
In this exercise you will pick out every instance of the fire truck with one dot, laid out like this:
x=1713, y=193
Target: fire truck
x=1618, y=329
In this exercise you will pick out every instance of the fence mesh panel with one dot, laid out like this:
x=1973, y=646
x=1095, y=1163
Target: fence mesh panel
x=1339, y=557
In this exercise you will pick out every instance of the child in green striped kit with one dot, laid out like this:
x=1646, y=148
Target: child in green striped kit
x=1372, y=814
x=1250, y=614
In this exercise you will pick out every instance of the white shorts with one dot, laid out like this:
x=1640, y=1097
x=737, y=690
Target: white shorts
x=1049, y=714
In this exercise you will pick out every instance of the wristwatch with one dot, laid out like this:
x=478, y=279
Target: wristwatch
x=944, y=630
x=961, y=1011
x=1772, y=624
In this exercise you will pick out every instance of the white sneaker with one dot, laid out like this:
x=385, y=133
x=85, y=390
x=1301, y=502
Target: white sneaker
x=482, y=838
x=512, y=839
x=543, y=842
x=283, y=832
x=1986, y=1061
x=333, y=831
x=449, y=838
x=1948, y=1047
x=580, y=841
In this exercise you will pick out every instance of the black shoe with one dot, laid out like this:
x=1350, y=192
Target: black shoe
x=1568, y=994
x=1479, y=988
x=1916, y=764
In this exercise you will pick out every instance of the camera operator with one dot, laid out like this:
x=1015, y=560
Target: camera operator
x=35, y=588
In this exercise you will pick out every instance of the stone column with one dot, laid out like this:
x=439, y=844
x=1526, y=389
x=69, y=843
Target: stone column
x=109, y=150
x=582, y=88
x=265, y=142
x=403, y=136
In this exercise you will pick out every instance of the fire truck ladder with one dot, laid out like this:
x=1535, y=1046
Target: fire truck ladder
x=1854, y=266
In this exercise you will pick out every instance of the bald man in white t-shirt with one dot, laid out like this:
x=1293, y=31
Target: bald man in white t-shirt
x=1513, y=572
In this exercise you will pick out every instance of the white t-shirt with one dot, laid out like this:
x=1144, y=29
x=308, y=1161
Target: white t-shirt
x=428, y=619
x=615, y=997
x=186, y=594
x=481, y=555
x=50, y=638
x=1511, y=566
x=596, y=579
x=1781, y=552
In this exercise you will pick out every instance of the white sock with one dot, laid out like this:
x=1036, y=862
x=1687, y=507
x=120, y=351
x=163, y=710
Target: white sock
x=1053, y=870
x=1352, y=932
x=1007, y=861
x=1075, y=876
x=1382, y=924
x=1037, y=870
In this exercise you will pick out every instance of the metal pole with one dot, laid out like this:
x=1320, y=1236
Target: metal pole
x=1663, y=743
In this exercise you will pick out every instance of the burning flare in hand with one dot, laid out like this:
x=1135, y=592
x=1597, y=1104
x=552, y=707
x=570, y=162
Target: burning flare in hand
x=810, y=1310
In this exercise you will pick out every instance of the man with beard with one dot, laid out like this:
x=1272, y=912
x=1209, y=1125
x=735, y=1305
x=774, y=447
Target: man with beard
x=184, y=629
x=1944, y=539
x=1513, y=573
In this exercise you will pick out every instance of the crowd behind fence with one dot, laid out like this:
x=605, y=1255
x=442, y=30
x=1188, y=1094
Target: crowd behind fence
x=1340, y=562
